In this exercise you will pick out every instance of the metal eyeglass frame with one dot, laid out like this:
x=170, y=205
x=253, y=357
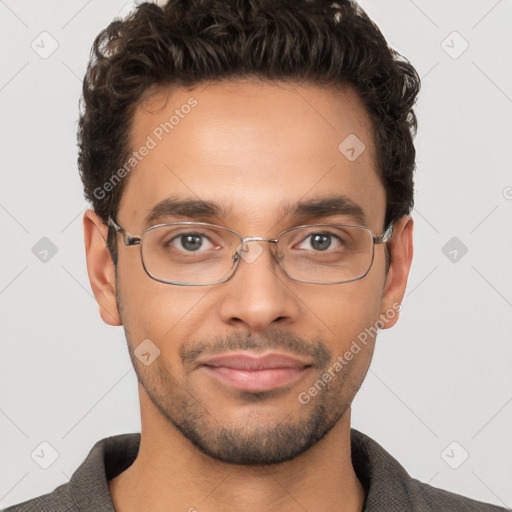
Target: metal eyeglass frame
x=130, y=240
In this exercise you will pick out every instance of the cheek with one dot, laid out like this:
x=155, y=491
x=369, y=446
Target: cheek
x=165, y=314
x=344, y=311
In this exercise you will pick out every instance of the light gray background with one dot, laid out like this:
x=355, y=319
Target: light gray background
x=443, y=374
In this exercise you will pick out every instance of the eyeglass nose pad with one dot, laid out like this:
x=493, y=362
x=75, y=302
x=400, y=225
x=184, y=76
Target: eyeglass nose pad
x=248, y=252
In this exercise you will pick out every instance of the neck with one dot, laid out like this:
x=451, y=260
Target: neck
x=171, y=474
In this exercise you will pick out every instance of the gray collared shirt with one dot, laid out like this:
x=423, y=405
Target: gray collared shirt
x=389, y=488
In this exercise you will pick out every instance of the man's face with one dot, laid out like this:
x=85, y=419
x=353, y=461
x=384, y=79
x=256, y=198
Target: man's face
x=253, y=149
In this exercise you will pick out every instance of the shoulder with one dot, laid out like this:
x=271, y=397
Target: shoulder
x=390, y=487
x=88, y=488
x=60, y=500
x=430, y=498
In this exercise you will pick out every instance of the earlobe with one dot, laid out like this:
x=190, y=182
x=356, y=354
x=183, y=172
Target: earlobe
x=100, y=267
x=401, y=251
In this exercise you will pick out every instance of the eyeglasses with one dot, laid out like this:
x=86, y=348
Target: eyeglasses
x=199, y=254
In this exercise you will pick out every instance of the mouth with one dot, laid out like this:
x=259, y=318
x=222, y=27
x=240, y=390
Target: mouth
x=253, y=372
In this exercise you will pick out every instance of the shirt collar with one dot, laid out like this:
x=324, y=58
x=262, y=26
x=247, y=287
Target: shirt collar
x=382, y=476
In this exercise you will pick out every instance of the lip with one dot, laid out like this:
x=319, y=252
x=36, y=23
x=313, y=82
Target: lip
x=249, y=372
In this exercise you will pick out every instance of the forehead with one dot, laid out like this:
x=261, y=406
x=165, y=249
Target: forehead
x=252, y=147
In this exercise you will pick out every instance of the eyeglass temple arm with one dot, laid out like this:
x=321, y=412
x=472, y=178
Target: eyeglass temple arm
x=385, y=236
x=127, y=238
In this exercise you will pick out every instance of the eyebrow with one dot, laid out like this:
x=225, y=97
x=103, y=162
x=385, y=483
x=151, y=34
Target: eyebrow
x=301, y=211
x=192, y=208
x=321, y=207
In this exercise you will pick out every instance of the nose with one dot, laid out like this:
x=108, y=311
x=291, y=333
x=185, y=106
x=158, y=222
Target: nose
x=259, y=295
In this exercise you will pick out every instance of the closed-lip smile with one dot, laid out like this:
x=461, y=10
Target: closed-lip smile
x=253, y=371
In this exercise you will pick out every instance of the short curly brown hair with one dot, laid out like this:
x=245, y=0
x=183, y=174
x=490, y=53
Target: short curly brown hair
x=186, y=42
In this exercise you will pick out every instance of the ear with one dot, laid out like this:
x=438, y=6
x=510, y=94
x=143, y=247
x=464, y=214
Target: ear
x=401, y=251
x=100, y=267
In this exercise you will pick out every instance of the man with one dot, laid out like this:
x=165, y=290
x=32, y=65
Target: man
x=249, y=164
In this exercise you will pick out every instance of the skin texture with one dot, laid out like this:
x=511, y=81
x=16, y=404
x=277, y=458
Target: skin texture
x=252, y=147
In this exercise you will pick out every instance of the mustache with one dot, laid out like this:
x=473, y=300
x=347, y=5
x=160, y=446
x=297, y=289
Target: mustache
x=285, y=341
